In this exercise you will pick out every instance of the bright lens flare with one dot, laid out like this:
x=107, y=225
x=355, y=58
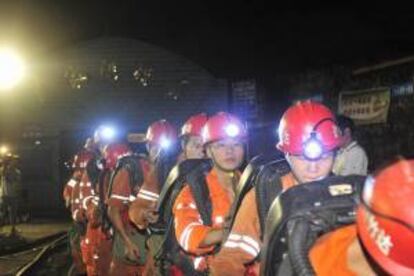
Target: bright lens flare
x=313, y=150
x=232, y=130
x=11, y=69
x=165, y=143
x=108, y=133
x=4, y=150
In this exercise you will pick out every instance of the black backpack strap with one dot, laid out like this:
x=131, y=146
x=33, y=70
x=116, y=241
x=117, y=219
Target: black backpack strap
x=196, y=180
x=133, y=166
x=93, y=171
x=101, y=183
x=170, y=252
x=105, y=221
x=246, y=183
x=267, y=187
x=174, y=182
x=134, y=169
x=165, y=161
x=301, y=214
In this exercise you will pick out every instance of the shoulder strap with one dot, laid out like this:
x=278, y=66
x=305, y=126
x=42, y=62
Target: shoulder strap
x=163, y=165
x=105, y=221
x=132, y=165
x=247, y=182
x=268, y=186
x=170, y=251
x=134, y=168
x=101, y=183
x=196, y=180
x=93, y=171
x=174, y=183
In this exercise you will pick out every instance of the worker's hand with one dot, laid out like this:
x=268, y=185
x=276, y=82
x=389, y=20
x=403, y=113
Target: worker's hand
x=131, y=251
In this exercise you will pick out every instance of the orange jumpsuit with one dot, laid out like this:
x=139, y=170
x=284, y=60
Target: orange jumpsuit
x=146, y=197
x=97, y=245
x=122, y=197
x=243, y=243
x=67, y=191
x=146, y=201
x=78, y=192
x=72, y=193
x=329, y=254
x=190, y=230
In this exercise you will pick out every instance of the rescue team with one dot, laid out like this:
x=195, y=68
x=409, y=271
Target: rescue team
x=114, y=195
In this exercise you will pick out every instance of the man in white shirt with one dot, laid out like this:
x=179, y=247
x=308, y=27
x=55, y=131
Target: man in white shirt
x=351, y=158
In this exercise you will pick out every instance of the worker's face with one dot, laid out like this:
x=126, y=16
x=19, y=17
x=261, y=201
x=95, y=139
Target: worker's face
x=77, y=173
x=193, y=148
x=227, y=153
x=306, y=170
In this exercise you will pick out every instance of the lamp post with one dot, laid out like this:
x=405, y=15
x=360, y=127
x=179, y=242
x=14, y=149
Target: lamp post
x=12, y=69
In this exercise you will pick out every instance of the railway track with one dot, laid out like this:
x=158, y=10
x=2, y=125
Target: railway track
x=28, y=260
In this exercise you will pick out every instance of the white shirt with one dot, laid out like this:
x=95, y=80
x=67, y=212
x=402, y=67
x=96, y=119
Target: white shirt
x=351, y=160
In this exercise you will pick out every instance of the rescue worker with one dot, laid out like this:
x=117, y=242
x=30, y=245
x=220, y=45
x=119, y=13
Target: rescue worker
x=77, y=232
x=77, y=168
x=161, y=140
x=309, y=138
x=191, y=139
x=224, y=138
x=78, y=195
x=98, y=240
x=95, y=252
x=11, y=190
x=124, y=215
x=191, y=148
x=382, y=240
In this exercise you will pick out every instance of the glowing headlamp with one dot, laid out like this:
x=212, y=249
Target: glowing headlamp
x=108, y=133
x=105, y=134
x=165, y=143
x=313, y=148
x=232, y=130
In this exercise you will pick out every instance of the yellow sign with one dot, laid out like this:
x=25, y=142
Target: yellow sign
x=365, y=106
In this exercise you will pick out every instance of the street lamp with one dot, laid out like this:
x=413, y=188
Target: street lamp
x=11, y=69
x=4, y=150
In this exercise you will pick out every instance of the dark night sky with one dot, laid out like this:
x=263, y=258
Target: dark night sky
x=230, y=38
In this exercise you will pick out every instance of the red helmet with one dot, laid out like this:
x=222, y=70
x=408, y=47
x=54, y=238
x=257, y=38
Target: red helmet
x=113, y=152
x=308, y=128
x=194, y=125
x=161, y=133
x=81, y=159
x=223, y=125
x=385, y=220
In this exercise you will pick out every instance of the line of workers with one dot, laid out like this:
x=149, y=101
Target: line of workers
x=193, y=211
